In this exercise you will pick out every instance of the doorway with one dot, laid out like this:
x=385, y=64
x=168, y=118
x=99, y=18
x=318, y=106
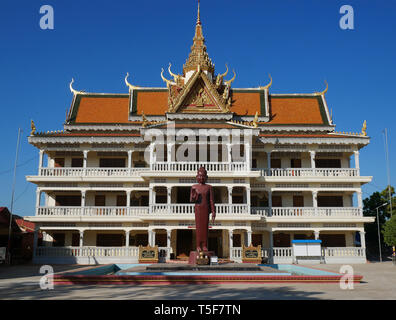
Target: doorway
x=183, y=243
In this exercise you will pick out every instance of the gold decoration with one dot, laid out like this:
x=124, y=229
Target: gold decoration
x=179, y=80
x=131, y=87
x=324, y=91
x=364, y=128
x=228, y=83
x=168, y=82
x=33, y=128
x=268, y=85
x=255, y=120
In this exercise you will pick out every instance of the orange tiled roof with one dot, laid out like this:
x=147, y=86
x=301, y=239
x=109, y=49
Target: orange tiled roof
x=102, y=109
x=115, y=108
x=296, y=110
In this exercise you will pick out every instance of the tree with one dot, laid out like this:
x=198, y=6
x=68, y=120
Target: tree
x=390, y=231
x=369, y=210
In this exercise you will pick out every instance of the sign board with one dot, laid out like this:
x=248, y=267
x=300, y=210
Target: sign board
x=251, y=254
x=307, y=248
x=148, y=254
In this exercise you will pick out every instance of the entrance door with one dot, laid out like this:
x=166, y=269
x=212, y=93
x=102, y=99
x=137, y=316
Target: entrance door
x=184, y=242
x=214, y=242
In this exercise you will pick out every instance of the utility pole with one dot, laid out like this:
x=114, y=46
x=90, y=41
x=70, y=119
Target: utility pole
x=12, y=197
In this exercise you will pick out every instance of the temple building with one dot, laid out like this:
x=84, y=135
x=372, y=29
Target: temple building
x=119, y=173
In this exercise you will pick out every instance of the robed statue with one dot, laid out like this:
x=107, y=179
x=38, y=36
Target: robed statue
x=202, y=195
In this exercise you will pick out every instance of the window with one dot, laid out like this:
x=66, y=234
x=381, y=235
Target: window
x=257, y=240
x=161, y=239
x=112, y=162
x=328, y=163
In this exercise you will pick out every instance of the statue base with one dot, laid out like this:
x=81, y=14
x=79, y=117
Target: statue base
x=195, y=259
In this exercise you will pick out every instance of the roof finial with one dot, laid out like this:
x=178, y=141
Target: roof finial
x=199, y=15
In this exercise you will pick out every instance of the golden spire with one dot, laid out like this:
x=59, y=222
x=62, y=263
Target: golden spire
x=198, y=56
x=33, y=127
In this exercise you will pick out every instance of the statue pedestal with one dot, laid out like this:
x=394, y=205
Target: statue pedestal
x=193, y=259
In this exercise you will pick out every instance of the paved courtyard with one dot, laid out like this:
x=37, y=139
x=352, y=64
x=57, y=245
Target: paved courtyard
x=379, y=282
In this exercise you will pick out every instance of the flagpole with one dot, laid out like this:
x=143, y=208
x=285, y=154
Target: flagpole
x=12, y=197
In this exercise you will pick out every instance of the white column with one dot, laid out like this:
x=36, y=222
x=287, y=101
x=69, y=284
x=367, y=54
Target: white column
x=46, y=199
x=229, y=194
x=83, y=192
x=230, y=241
x=127, y=232
x=128, y=198
x=357, y=165
x=359, y=199
x=169, y=194
x=248, y=199
x=249, y=237
x=130, y=159
x=315, y=200
x=313, y=154
x=169, y=151
x=81, y=238
x=362, y=239
x=229, y=152
x=248, y=156
x=41, y=160
x=151, y=156
x=316, y=233
x=38, y=194
x=152, y=238
x=85, y=158
x=168, y=238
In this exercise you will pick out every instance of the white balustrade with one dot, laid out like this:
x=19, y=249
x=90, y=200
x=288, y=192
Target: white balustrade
x=221, y=209
x=91, y=172
x=344, y=252
x=194, y=166
x=87, y=252
x=310, y=172
x=92, y=211
x=307, y=212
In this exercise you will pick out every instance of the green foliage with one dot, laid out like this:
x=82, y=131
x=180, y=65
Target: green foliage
x=369, y=210
x=389, y=231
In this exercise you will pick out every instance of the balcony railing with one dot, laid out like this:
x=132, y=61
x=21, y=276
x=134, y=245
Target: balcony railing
x=308, y=212
x=189, y=209
x=194, y=166
x=309, y=172
x=92, y=211
x=91, y=172
x=158, y=209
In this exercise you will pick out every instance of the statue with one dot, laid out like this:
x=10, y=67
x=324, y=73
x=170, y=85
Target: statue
x=202, y=195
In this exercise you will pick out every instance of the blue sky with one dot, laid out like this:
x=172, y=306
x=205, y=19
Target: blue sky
x=299, y=42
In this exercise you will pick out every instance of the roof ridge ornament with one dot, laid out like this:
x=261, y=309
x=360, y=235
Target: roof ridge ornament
x=269, y=84
x=324, y=91
x=131, y=87
x=169, y=83
x=33, y=127
x=228, y=83
x=75, y=92
x=364, y=128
